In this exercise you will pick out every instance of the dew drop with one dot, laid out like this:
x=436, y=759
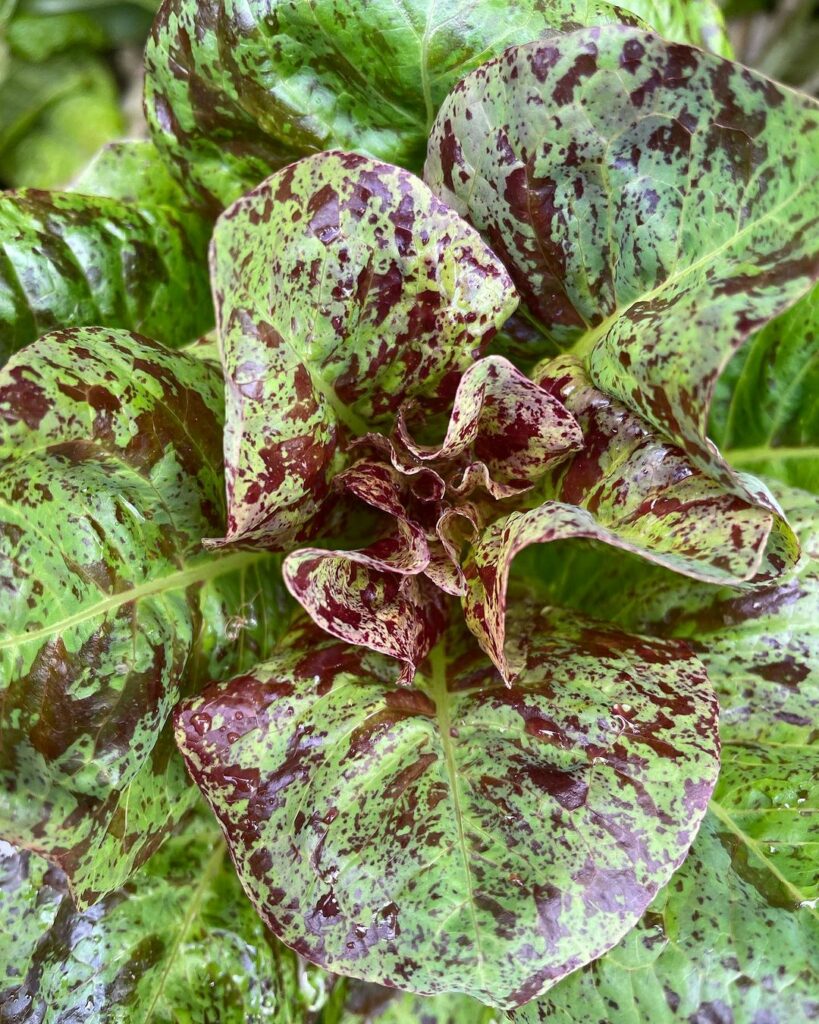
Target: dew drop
x=201, y=722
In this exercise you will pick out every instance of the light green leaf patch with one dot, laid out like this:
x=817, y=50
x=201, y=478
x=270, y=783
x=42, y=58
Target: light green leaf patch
x=236, y=90
x=343, y=288
x=735, y=934
x=654, y=204
x=766, y=413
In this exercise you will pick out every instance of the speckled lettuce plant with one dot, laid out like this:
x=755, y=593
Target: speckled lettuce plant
x=436, y=608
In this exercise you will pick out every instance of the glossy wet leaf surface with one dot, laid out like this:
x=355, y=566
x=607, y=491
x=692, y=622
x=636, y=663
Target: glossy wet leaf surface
x=402, y=836
x=179, y=942
x=236, y=91
x=653, y=203
x=122, y=258
x=111, y=473
x=343, y=288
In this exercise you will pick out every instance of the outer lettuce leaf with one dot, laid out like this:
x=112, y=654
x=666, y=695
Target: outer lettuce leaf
x=654, y=204
x=626, y=488
x=460, y=836
x=766, y=414
x=132, y=257
x=343, y=288
x=736, y=933
x=179, y=942
x=111, y=473
x=711, y=948
x=235, y=91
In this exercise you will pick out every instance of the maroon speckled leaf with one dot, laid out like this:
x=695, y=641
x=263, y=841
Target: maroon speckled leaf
x=629, y=489
x=459, y=836
x=343, y=287
x=654, y=204
x=504, y=433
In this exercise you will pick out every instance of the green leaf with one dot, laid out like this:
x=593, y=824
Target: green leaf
x=367, y=1004
x=766, y=415
x=653, y=203
x=111, y=473
x=460, y=836
x=235, y=91
x=54, y=115
x=179, y=943
x=135, y=260
x=626, y=488
x=343, y=287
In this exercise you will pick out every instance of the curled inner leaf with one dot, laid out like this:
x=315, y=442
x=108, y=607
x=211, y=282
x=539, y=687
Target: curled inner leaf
x=504, y=432
x=627, y=488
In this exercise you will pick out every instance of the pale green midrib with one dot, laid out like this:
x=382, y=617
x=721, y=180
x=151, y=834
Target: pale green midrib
x=440, y=696
x=763, y=453
x=799, y=897
x=207, y=570
x=586, y=342
x=210, y=871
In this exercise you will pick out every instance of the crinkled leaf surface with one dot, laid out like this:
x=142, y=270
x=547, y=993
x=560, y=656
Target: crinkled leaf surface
x=134, y=258
x=111, y=473
x=766, y=414
x=503, y=433
x=343, y=288
x=179, y=942
x=653, y=203
x=235, y=91
x=627, y=488
x=460, y=836
x=734, y=937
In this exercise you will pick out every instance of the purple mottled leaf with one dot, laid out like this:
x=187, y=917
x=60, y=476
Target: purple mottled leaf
x=504, y=433
x=343, y=288
x=459, y=836
x=734, y=936
x=627, y=488
x=110, y=472
x=236, y=91
x=654, y=204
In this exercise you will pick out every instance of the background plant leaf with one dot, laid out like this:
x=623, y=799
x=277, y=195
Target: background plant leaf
x=179, y=942
x=653, y=203
x=111, y=473
x=765, y=412
x=460, y=836
x=372, y=1004
x=343, y=288
x=234, y=92
x=133, y=259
